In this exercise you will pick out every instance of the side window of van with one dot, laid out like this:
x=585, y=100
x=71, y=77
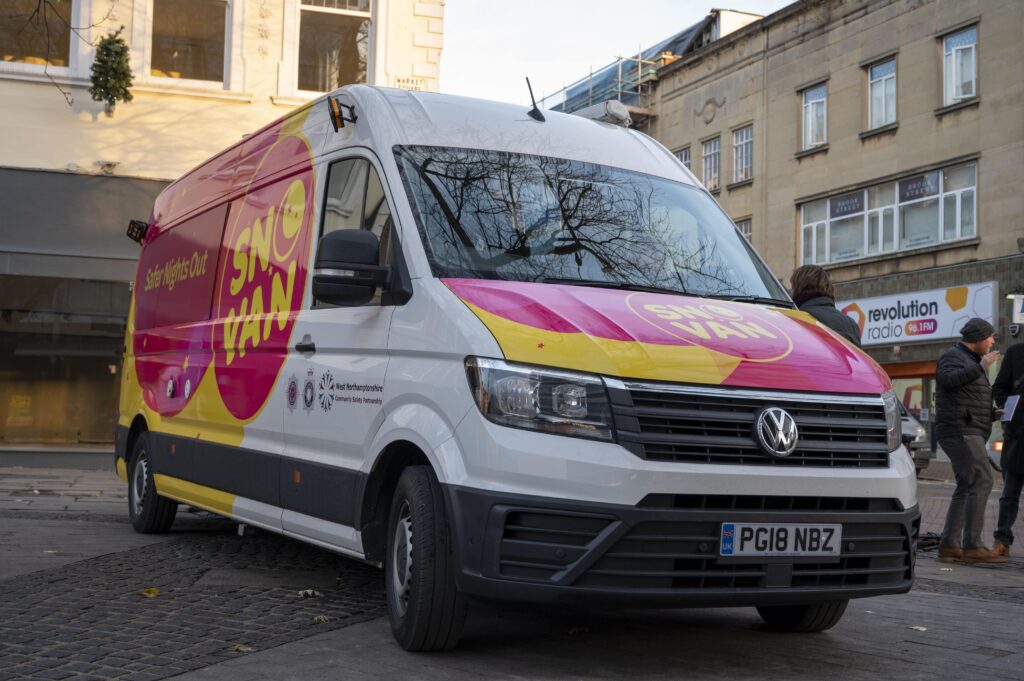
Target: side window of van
x=356, y=200
x=346, y=187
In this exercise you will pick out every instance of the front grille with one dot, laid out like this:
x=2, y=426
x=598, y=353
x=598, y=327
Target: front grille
x=717, y=426
x=538, y=545
x=747, y=502
x=650, y=549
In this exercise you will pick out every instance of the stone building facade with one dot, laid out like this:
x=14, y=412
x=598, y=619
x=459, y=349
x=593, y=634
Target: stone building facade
x=881, y=139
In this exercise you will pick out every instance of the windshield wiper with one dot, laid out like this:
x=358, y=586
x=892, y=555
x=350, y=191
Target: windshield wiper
x=599, y=283
x=756, y=300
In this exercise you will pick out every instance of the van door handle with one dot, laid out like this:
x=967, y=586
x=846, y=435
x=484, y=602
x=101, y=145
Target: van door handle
x=305, y=345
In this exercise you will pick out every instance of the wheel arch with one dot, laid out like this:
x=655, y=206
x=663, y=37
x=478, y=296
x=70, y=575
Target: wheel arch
x=378, y=490
x=138, y=427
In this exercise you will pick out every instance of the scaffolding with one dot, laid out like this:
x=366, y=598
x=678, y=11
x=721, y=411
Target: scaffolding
x=629, y=80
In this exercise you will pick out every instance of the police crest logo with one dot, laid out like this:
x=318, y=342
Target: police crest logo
x=308, y=392
x=292, y=393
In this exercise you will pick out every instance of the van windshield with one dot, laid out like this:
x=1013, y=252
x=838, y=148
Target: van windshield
x=518, y=217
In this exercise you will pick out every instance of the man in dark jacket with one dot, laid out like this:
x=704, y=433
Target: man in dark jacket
x=963, y=422
x=1010, y=381
x=813, y=293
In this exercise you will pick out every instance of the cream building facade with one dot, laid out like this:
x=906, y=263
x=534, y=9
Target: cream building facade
x=206, y=72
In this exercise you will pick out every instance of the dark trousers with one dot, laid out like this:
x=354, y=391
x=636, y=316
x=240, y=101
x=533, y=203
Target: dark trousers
x=1009, y=503
x=966, y=516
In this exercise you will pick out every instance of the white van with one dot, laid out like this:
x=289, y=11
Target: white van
x=504, y=359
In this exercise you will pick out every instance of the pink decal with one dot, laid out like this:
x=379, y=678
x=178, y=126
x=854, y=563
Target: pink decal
x=262, y=278
x=773, y=349
x=173, y=291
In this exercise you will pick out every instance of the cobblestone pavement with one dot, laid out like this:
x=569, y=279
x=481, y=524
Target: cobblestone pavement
x=216, y=595
x=228, y=607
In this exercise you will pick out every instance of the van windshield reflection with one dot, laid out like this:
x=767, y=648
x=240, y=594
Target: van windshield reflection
x=518, y=217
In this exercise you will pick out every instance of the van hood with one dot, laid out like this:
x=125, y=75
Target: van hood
x=663, y=337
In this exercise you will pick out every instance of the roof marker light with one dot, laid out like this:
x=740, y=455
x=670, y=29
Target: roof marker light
x=338, y=116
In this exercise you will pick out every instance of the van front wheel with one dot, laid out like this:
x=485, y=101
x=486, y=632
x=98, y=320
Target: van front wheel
x=149, y=513
x=807, y=618
x=424, y=605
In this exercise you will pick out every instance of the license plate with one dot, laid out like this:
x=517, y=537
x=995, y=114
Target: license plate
x=776, y=539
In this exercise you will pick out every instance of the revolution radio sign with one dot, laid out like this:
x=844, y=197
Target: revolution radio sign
x=920, y=315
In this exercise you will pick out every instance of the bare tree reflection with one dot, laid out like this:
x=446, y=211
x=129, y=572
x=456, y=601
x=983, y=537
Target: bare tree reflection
x=533, y=218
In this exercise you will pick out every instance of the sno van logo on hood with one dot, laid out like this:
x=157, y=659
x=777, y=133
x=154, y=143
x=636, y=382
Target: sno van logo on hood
x=744, y=332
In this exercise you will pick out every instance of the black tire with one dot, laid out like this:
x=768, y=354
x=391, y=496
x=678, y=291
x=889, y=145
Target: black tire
x=149, y=513
x=424, y=605
x=807, y=618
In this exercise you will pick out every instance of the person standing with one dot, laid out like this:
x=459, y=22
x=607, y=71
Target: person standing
x=1010, y=381
x=813, y=293
x=963, y=420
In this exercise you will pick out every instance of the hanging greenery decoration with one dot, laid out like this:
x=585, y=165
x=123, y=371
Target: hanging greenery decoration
x=111, y=71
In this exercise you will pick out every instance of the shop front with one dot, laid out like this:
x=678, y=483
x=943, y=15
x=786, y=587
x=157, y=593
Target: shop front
x=909, y=328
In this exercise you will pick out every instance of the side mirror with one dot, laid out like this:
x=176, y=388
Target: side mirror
x=346, y=270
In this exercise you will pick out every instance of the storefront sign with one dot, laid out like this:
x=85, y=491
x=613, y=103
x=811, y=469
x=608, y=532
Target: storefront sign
x=1018, y=308
x=847, y=204
x=920, y=315
x=919, y=187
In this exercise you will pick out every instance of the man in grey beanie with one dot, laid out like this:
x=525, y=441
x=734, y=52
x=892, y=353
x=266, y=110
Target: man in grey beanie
x=963, y=423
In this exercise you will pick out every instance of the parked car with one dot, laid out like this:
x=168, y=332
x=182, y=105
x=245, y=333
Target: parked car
x=915, y=439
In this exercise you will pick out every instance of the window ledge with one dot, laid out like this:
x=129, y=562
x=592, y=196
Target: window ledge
x=893, y=255
x=820, y=149
x=965, y=104
x=185, y=91
x=278, y=100
x=880, y=130
x=737, y=185
x=715, y=192
x=40, y=77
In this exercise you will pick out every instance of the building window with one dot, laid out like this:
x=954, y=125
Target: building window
x=959, y=65
x=334, y=42
x=915, y=212
x=684, y=157
x=743, y=154
x=815, y=116
x=745, y=228
x=189, y=39
x=35, y=33
x=712, y=163
x=882, y=94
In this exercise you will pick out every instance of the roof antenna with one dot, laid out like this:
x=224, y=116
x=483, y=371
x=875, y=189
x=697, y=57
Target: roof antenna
x=534, y=113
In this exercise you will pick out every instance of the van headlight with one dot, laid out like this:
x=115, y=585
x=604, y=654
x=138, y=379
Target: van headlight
x=892, y=419
x=537, y=398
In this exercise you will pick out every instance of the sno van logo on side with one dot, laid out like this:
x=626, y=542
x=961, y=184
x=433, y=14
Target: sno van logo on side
x=262, y=284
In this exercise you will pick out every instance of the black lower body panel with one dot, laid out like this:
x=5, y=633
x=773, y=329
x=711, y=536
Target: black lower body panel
x=543, y=550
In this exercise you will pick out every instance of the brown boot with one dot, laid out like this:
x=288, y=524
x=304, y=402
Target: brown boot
x=951, y=554
x=981, y=554
x=1000, y=549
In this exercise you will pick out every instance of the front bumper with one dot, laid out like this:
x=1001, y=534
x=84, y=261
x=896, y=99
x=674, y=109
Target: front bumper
x=664, y=551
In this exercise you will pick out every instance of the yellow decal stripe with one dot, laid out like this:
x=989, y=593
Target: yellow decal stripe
x=122, y=469
x=196, y=495
x=632, y=359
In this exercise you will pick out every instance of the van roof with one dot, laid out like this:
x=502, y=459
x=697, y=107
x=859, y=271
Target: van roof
x=387, y=117
x=434, y=119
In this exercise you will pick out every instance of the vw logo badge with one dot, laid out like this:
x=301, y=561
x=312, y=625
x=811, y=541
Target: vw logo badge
x=776, y=432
